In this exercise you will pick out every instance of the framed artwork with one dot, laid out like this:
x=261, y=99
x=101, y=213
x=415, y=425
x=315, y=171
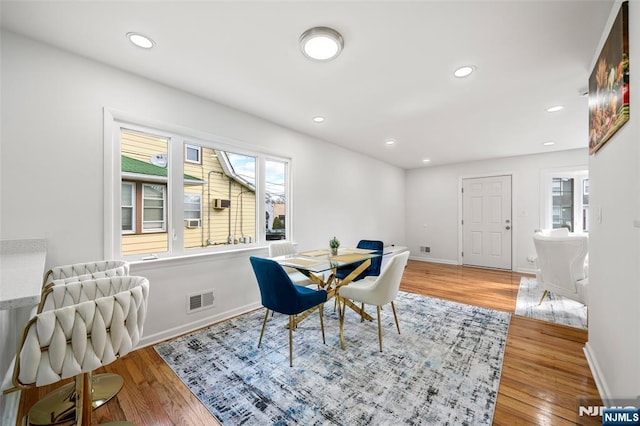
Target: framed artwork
x=609, y=84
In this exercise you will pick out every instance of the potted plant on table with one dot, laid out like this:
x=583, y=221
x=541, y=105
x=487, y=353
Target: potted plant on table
x=334, y=243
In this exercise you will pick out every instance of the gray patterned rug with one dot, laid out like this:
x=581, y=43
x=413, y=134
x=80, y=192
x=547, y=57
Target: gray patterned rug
x=443, y=369
x=553, y=308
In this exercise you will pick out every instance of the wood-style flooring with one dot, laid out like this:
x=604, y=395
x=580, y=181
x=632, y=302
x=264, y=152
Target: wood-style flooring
x=544, y=377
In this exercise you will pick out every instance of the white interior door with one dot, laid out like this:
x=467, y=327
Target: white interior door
x=486, y=222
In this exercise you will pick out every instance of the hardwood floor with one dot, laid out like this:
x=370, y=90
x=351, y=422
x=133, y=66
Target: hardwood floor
x=544, y=374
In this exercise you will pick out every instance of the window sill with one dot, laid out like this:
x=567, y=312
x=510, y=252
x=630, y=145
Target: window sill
x=196, y=256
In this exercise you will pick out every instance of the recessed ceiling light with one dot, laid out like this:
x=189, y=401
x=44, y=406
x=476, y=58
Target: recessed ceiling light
x=549, y=143
x=321, y=43
x=140, y=40
x=390, y=142
x=555, y=108
x=318, y=119
x=464, y=71
x=426, y=160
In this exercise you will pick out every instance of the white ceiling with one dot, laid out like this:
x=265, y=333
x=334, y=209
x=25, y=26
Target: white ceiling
x=394, y=78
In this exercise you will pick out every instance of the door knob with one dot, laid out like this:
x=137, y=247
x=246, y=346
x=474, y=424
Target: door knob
x=507, y=227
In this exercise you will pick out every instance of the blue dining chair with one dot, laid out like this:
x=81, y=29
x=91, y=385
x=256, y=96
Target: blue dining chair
x=373, y=270
x=279, y=294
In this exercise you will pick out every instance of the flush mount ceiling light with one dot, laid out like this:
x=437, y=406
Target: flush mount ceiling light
x=321, y=43
x=464, y=71
x=426, y=160
x=140, y=40
x=318, y=119
x=555, y=108
x=390, y=142
x=548, y=143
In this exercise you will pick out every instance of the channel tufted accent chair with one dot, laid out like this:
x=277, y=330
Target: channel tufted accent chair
x=64, y=293
x=85, y=271
x=75, y=339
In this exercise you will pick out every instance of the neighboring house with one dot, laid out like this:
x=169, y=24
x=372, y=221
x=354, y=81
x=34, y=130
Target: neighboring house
x=219, y=204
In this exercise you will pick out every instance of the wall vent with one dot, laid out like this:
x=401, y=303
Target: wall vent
x=425, y=249
x=199, y=301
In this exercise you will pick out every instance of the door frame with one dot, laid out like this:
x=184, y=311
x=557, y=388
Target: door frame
x=514, y=219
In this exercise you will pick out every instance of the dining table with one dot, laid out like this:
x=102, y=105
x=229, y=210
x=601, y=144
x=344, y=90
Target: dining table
x=320, y=266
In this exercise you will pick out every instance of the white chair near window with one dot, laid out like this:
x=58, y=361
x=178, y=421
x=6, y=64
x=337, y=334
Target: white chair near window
x=377, y=290
x=85, y=271
x=283, y=248
x=562, y=268
x=86, y=325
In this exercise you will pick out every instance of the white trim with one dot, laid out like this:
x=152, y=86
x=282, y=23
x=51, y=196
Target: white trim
x=598, y=375
x=198, y=149
x=545, y=195
x=164, y=209
x=432, y=260
x=133, y=208
x=514, y=221
x=174, y=332
x=114, y=120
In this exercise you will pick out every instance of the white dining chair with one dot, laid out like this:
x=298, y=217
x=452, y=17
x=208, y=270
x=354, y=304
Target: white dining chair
x=283, y=248
x=376, y=291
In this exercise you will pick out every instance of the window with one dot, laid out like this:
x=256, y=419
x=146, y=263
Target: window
x=192, y=153
x=275, y=199
x=192, y=210
x=153, y=197
x=565, y=201
x=128, y=196
x=178, y=194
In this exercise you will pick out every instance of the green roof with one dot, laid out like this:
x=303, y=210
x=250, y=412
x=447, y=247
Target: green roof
x=131, y=165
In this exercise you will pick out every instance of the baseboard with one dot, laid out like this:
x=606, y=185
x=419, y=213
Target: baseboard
x=152, y=339
x=525, y=271
x=598, y=377
x=10, y=409
x=432, y=260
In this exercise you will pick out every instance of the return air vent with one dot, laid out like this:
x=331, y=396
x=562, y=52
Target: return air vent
x=199, y=301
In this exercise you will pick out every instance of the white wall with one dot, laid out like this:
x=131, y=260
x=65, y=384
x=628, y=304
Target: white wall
x=433, y=201
x=613, y=349
x=51, y=175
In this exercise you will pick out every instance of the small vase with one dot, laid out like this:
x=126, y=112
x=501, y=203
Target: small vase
x=334, y=251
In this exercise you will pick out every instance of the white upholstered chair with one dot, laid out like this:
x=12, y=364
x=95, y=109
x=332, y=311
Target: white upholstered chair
x=378, y=290
x=561, y=265
x=85, y=325
x=85, y=271
x=282, y=248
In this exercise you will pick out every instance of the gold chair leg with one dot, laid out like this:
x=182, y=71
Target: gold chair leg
x=321, y=310
x=379, y=328
x=341, y=311
x=362, y=312
x=393, y=308
x=543, y=296
x=83, y=399
x=291, y=321
x=59, y=406
x=264, y=323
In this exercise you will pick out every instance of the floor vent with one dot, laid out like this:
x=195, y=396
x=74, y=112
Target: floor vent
x=199, y=301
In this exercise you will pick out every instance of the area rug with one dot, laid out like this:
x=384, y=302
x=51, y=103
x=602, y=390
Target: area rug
x=553, y=308
x=443, y=369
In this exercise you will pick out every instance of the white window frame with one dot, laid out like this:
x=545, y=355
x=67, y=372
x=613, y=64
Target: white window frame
x=199, y=218
x=198, y=149
x=578, y=174
x=114, y=121
x=132, y=207
x=163, y=222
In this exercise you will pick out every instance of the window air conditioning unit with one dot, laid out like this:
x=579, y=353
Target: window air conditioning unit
x=219, y=203
x=192, y=223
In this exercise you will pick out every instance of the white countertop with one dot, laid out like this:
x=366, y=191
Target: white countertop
x=21, y=271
